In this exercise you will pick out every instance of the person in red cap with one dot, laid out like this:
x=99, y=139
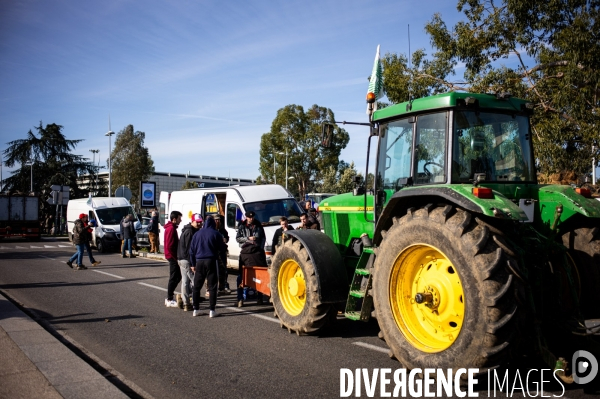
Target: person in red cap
x=183, y=259
x=79, y=238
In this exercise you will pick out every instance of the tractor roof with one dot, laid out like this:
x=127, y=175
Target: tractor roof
x=448, y=100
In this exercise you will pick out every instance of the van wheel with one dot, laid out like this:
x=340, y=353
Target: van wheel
x=100, y=245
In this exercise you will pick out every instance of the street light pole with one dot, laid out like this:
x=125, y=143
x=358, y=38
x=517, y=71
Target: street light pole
x=593, y=166
x=30, y=163
x=94, y=164
x=274, y=168
x=286, y=167
x=109, y=133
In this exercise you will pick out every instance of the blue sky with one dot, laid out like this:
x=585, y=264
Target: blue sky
x=202, y=79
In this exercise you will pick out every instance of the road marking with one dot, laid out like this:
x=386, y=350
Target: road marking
x=260, y=316
x=153, y=286
x=65, y=246
x=32, y=246
x=20, y=247
x=49, y=246
x=372, y=347
x=47, y=257
x=108, y=274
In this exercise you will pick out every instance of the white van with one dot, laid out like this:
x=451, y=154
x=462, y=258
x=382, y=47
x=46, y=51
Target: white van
x=269, y=202
x=108, y=212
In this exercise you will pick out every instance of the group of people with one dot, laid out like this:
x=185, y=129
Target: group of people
x=82, y=236
x=199, y=255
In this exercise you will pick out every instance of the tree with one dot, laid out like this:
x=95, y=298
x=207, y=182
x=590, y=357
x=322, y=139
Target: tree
x=562, y=39
x=189, y=184
x=131, y=161
x=299, y=133
x=338, y=181
x=53, y=162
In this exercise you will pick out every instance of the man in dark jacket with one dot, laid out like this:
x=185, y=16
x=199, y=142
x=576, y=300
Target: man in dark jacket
x=278, y=236
x=183, y=258
x=223, y=284
x=153, y=233
x=127, y=234
x=251, y=237
x=79, y=238
x=307, y=224
x=171, y=245
x=205, y=248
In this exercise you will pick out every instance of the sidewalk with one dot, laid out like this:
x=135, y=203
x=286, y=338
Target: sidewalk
x=34, y=364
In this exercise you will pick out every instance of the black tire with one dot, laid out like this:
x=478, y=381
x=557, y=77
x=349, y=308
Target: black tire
x=314, y=314
x=488, y=323
x=100, y=246
x=583, y=244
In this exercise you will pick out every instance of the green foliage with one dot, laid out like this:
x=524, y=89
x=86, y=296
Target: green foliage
x=299, y=133
x=189, y=184
x=131, y=161
x=561, y=36
x=53, y=162
x=338, y=181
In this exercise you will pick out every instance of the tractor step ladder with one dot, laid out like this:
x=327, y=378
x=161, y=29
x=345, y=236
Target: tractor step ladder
x=360, y=301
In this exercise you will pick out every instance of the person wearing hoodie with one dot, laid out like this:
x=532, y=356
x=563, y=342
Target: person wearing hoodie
x=128, y=234
x=205, y=249
x=79, y=239
x=171, y=245
x=183, y=258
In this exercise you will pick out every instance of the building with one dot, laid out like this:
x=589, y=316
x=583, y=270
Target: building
x=170, y=182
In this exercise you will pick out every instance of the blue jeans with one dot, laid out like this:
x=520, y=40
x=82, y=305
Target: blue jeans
x=79, y=254
x=126, y=244
x=88, y=248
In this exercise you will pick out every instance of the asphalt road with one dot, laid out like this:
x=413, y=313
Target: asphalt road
x=116, y=313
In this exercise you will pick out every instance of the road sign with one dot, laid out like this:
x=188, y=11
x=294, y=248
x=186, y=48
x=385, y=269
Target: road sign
x=123, y=191
x=56, y=187
x=63, y=198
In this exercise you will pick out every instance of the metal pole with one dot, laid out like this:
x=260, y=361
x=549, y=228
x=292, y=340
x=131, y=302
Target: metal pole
x=274, y=169
x=286, y=170
x=109, y=168
x=31, y=177
x=593, y=166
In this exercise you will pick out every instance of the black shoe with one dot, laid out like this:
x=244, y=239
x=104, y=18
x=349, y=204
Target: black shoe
x=80, y=267
x=70, y=264
x=123, y=256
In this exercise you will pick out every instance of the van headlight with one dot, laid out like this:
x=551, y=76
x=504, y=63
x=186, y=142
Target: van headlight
x=107, y=230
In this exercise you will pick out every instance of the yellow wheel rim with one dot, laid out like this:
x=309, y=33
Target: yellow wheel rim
x=291, y=286
x=433, y=324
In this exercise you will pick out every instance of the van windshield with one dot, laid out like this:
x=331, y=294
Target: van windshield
x=108, y=216
x=269, y=212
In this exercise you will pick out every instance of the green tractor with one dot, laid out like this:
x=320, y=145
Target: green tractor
x=457, y=251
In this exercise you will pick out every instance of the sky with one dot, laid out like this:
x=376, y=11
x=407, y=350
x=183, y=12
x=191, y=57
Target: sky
x=202, y=79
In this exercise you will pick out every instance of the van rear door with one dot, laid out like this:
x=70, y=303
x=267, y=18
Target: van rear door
x=163, y=217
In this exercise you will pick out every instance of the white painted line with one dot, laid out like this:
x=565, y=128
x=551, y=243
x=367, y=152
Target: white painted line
x=31, y=246
x=153, y=286
x=108, y=274
x=260, y=316
x=20, y=247
x=42, y=256
x=49, y=246
x=372, y=347
x=65, y=246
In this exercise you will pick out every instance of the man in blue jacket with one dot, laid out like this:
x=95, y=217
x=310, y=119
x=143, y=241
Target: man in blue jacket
x=205, y=248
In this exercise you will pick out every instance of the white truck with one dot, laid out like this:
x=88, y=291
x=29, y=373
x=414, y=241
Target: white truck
x=108, y=212
x=269, y=202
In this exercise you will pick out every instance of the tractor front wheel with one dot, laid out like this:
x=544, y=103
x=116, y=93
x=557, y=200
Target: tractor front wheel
x=294, y=290
x=442, y=294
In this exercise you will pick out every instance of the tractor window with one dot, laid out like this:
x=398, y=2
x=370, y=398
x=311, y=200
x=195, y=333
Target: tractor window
x=494, y=144
x=395, y=153
x=430, y=148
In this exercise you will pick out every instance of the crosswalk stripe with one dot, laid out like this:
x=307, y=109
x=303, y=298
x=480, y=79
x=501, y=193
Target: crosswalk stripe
x=49, y=246
x=33, y=246
x=65, y=246
x=108, y=274
x=20, y=247
x=372, y=347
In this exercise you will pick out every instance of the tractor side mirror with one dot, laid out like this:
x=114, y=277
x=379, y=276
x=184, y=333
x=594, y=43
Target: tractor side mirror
x=327, y=134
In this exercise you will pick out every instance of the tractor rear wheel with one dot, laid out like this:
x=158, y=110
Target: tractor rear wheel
x=294, y=290
x=442, y=294
x=583, y=245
